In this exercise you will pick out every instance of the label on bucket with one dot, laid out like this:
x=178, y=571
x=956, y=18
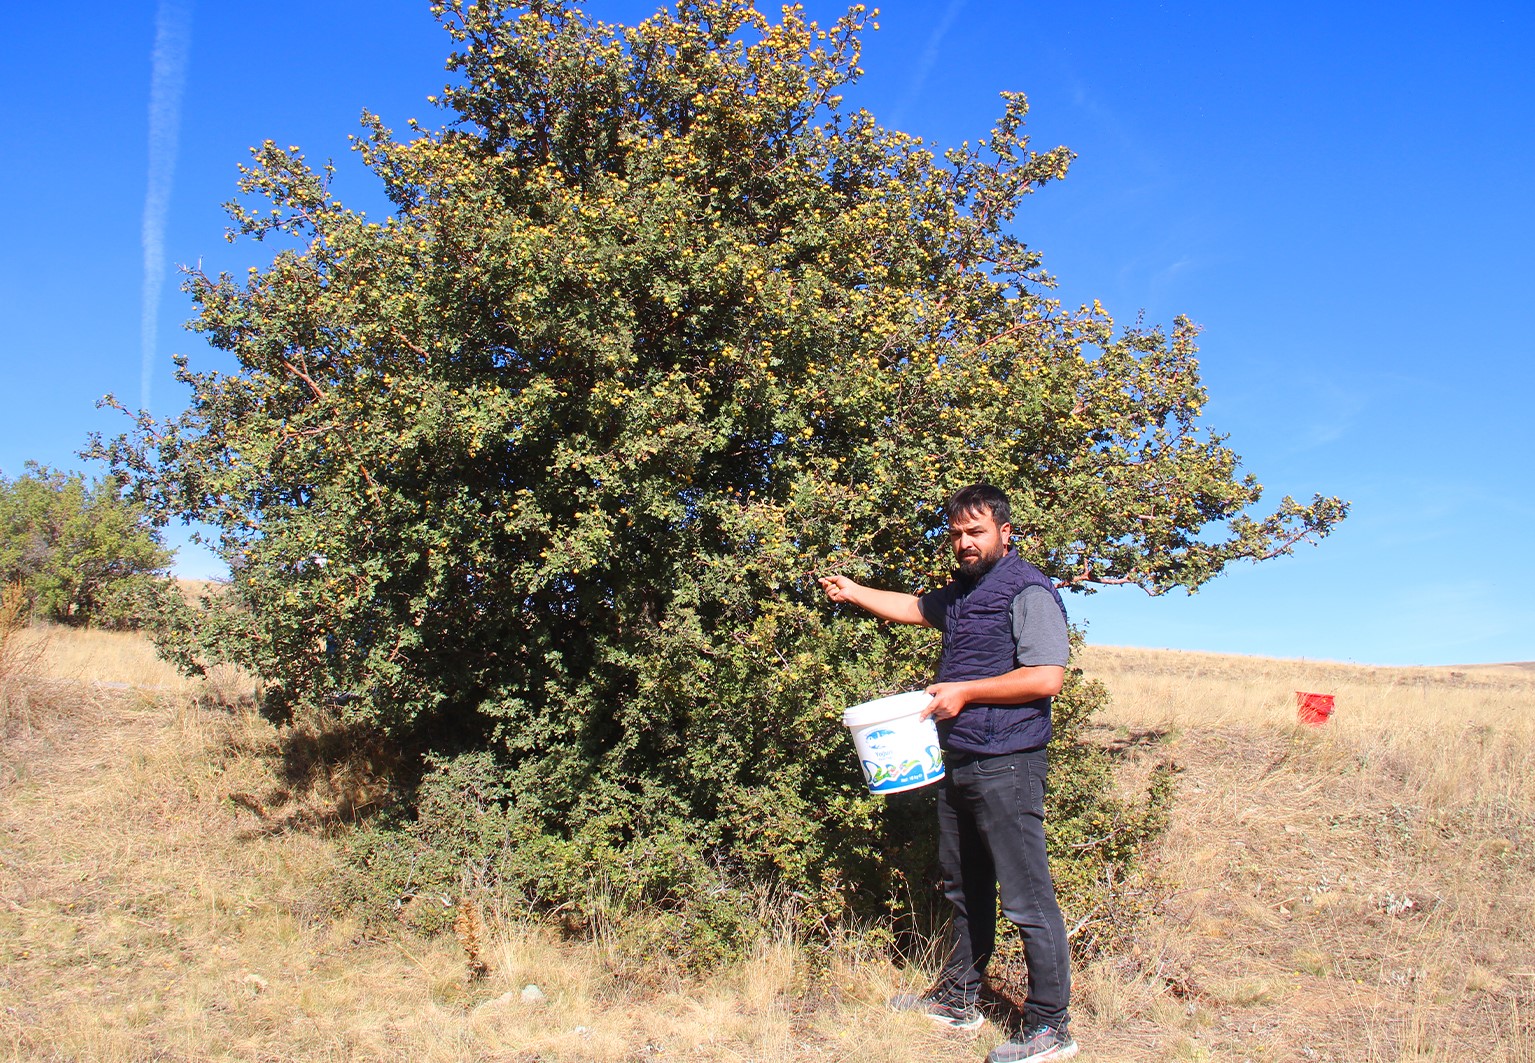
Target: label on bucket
x=897, y=748
x=892, y=764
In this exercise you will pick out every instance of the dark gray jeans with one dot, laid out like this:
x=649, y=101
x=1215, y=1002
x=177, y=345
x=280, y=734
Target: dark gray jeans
x=991, y=840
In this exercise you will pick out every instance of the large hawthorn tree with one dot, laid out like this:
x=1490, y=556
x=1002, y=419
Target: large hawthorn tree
x=538, y=470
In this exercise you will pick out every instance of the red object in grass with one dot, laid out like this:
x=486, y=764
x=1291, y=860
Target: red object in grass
x=1314, y=708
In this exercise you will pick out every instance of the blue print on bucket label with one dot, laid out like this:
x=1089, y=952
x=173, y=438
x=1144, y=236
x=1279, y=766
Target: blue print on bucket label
x=893, y=770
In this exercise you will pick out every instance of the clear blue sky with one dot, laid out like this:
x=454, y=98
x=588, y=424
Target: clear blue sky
x=1343, y=195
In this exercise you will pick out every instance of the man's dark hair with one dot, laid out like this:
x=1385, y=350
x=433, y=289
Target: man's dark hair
x=975, y=499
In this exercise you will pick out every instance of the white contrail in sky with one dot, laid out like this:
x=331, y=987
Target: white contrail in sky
x=173, y=31
x=925, y=64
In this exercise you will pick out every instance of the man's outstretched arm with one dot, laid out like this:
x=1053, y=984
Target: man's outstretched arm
x=887, y=605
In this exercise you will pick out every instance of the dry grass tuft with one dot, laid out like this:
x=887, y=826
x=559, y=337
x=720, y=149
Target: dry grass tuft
x=21, y=651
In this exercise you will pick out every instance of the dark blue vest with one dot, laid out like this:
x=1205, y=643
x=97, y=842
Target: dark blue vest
x=978, y=644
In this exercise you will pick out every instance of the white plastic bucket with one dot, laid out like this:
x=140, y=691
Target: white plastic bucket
x=897, y=748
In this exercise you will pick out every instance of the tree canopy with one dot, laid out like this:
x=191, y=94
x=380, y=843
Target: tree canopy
x=537, y=471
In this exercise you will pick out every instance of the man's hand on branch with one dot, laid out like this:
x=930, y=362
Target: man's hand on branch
x=839, y=588
x=887, y=605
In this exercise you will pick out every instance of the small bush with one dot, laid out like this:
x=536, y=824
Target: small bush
x=83, y=553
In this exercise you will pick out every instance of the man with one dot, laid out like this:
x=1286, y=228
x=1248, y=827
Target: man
x=1004, y=656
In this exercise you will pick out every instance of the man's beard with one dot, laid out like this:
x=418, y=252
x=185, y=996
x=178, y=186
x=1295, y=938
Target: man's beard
x=974, y=570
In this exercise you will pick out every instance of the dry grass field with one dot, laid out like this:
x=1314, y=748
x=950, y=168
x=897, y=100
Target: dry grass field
x=170, y=889
x=1363, y=890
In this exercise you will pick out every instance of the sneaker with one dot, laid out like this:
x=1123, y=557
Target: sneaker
x=946, y=1011
x=1036, y=1044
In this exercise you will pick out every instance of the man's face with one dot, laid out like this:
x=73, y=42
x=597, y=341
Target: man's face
x=979, y=542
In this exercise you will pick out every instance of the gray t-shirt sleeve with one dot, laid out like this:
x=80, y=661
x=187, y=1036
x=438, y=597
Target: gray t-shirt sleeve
x=934, y=606
x=1039, y=629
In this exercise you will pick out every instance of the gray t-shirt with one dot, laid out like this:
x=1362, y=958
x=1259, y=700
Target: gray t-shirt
x=1039, y=629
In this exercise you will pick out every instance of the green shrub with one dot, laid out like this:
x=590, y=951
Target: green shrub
x=810, y=839
x=82, y=552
